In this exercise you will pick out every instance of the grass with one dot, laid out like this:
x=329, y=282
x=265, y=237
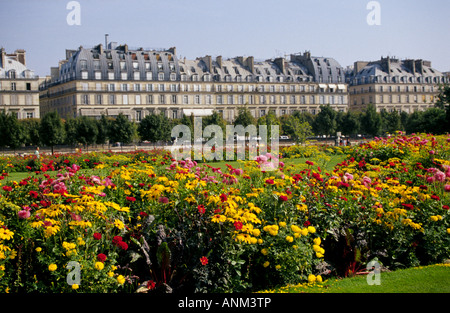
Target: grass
x=426, y=279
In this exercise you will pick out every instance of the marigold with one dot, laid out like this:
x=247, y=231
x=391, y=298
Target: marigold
x=52, y=267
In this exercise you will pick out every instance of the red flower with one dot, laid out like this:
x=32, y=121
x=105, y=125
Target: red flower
x=131, y=199
x=445, y=207
x=435, y=197
x=201, y=209
x=116, y=240
x=7, y=188
x=270, y=181
x=309, y=163
x=238, y=225
x=123, y=245
x=101, y=257
x=163, y=200
x=97, y=236
x=223, y=197
x=143, y=214
x=408, y=206
x=204, y=260
x=283, y=198
x=151, y=284
x=307, y=223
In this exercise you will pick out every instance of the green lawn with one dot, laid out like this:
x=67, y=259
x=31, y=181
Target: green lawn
x=428, y=279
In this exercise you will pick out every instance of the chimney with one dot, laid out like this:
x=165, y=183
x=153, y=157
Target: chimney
x=20, y=56
x=358, y=66
x=280, y=62
x=419, y=66
x=3, y=57
x=248, y=62
x=173, y=50
x=208, y=61
x=411, y=65
x=219, y=60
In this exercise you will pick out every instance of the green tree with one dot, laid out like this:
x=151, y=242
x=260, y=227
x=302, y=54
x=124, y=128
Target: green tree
x=70, y=128
x=391, y=122
x=325, y=121
x=30, y=127
x=270, y=120
x=51, y=130
x=121, y=129
x=371, y=121
x=155, y=127
x=11, y=131
x=86, y=129
x=350, y=124
x=443, y=102
x=298, y=130
x=244, y=117
x=102, y=130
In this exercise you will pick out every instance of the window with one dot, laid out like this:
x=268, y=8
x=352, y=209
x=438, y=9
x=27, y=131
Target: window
x=110, y=75
x=219, y=99
x=174, y=99
x=29, y=114
x=293, y=100
x=13, y=86
x=98, y=75
x=138, y=99
x=98, y=99
x=136, y=75
x=138, y=116
x=150, y=99
x=162, y=99
x=137, y=87
x=28, y=86
x=230, y=99
x=208, y=99
x=124, y=99
x=161, y=76
x=124, y=87
x=84, y=99
x=161, y=87
x=111, y=87
x=262, y=112
x=197, y=99
x=149, y=87
x=124, y=76
x=185, y=99
x=122, y=65
x=135, y=65
x=148, y=75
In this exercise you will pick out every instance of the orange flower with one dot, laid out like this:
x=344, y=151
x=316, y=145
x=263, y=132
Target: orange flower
x=204, y=260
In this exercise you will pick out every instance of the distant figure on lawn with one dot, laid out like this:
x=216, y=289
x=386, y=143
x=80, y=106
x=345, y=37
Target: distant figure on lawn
x=36, y=153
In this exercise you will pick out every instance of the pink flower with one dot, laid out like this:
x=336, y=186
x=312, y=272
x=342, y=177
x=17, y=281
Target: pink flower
x=447, y=188
x=24, y=214
x=439, y=176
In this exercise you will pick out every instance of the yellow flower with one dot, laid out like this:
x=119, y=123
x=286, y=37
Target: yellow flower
x=296, y=229
x=319, y=278
x=311, y=229
x=256, y=232
x=266, y=264
x=316, y=248
x=317, y=241
x=38, y=249
x=277, y=267
x=311, y=278
x=110, y=274
x=264, y=251
x=448, y=230
x=121, y=279
x=99, y=266
x=304, y=231
x=75, y=286
x=289, y=239
x=218, y=218
x=52, y=267
x=119, y=224
x=282, y=224
x=6, y=234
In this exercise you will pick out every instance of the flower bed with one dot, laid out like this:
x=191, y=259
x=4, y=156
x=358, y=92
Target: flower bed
x=147, y=223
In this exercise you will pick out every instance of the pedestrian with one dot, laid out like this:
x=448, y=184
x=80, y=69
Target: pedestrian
x=36, y=153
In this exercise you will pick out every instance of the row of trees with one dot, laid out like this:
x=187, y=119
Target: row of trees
x=51, y=130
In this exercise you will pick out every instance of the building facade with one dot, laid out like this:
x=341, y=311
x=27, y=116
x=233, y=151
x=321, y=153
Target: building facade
x=137, y=82
x=394, y=85
x=19, y=86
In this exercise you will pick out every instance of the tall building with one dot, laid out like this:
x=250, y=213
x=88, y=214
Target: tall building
x=19, y=86
x=392, y=84
x=137, y=82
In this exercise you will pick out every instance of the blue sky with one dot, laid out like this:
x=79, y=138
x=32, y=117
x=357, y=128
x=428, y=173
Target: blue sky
x=261, y=28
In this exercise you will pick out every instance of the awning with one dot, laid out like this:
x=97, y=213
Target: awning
x=198, y=112
x=324, y=86
x=332, y=86
x=341, y=86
